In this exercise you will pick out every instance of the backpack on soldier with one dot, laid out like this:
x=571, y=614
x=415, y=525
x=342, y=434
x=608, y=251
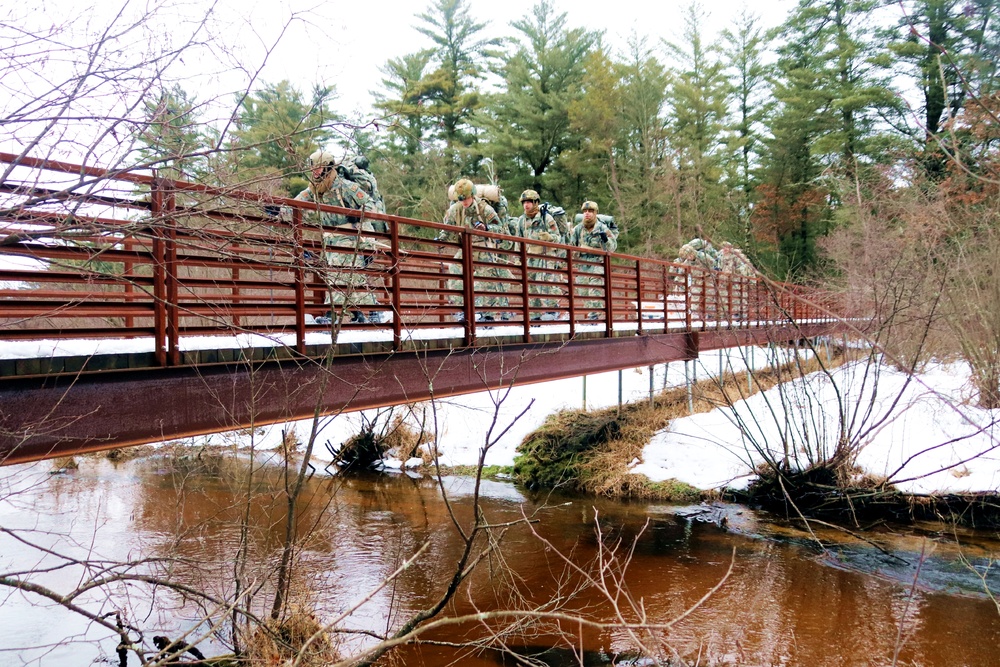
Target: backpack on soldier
x=355, y=169
x=558, y=214
x=494, y=196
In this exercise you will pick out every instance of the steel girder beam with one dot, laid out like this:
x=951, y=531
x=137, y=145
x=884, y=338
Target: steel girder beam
x=57, y=416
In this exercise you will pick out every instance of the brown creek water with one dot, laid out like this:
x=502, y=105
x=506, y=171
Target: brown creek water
x=786, y=602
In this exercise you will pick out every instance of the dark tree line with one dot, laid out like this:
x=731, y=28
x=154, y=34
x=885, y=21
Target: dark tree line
x=753, y=136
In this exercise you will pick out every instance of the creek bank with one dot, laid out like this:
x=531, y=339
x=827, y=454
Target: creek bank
x=816, y=494
x=597, y=452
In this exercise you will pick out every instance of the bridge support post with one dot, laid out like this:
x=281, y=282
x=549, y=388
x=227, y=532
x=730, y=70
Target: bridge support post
x=619, y=390
x=652, y=372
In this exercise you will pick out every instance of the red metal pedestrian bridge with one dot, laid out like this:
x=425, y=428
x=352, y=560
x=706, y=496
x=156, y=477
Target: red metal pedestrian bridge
x=136, y=309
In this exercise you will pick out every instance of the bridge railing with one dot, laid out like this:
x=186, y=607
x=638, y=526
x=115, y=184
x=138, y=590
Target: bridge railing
x=90, y=253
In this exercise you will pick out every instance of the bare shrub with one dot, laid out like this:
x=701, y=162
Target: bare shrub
x=299, y=637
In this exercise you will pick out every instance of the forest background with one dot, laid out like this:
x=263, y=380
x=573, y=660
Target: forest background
x=852, y=145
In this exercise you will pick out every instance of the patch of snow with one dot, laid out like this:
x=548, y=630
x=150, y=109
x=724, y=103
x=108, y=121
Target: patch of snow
x=927, y=442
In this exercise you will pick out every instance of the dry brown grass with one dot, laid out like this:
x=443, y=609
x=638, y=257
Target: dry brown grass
x=127, y=453
x=602, y=467
x=281, y=642
x=405, y=441
x=64, y=463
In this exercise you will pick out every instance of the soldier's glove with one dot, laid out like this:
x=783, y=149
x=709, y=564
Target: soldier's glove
x=480, y=226
x=545, y=236
x=604, y=237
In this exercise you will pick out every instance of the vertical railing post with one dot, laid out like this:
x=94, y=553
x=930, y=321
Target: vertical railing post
x=730, y=284
x=173, y=305
x=128, y=273
x=638, y=293
x=397, y=289
x=688, y=280
x=665, y=286
x=704, y=300
x=159, y=274
x=468, y=288
x=525, y=305
x=300, y=281
x=572, y=292
x=234, y=290
x=608, y=298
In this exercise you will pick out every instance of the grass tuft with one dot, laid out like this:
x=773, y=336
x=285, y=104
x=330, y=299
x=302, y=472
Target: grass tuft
x=284, y=642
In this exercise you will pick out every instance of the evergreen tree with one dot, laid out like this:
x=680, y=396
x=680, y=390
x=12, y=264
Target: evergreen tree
x=527, y=123
x=449, y=92
x=750, y=104
x=641, y=173
x=833, y=91
x=594, y=119
x=950, y=47
x=697, y=100
x=403, y=103
x=277, y=129
x=172, y=135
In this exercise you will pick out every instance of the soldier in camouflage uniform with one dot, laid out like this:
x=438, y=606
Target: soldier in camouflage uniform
x=592, y=233
x=471, y=211
x=534, y=224
x=348, y=289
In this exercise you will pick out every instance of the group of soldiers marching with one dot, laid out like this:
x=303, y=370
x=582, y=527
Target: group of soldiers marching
x=349, y=184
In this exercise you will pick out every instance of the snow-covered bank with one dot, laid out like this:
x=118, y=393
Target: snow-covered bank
x=923, y=436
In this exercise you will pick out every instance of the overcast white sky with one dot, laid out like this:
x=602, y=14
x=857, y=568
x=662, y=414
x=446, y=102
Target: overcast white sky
x=345, y=43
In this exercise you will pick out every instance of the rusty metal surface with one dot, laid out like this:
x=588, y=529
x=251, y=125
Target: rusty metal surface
x=44, y=418
x=182, y=259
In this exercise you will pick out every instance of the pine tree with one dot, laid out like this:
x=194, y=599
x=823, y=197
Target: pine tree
x=449, y=92
x=950, y=48
x=527, y=123
x=172, y=136
x=834, y=90
x=697, y=99
x=403, y=104
x=642, y=176
x=750, y=104
x=277, y=129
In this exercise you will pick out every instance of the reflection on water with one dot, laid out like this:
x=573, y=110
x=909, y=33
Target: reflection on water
x=786, y=602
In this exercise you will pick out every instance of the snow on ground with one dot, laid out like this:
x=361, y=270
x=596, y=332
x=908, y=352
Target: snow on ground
x=466, y=423
x=922, y=434
x=925, y=435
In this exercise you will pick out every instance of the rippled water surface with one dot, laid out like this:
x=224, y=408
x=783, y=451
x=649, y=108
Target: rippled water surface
x=918, y=595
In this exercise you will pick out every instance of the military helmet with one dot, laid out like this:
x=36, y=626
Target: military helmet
x=529, y=195
x=590, y=206
x=463, y=189
x=321, y=158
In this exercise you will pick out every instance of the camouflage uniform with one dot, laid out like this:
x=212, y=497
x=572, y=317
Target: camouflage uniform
x=541, y=229
x=593, y=238
x=480, y=213
x=734, y=264
x=347, y=287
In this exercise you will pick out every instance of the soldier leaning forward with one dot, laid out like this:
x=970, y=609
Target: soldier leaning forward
x=592, y=233
x=471, y=211
x=347, y=287
x=535, y=224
